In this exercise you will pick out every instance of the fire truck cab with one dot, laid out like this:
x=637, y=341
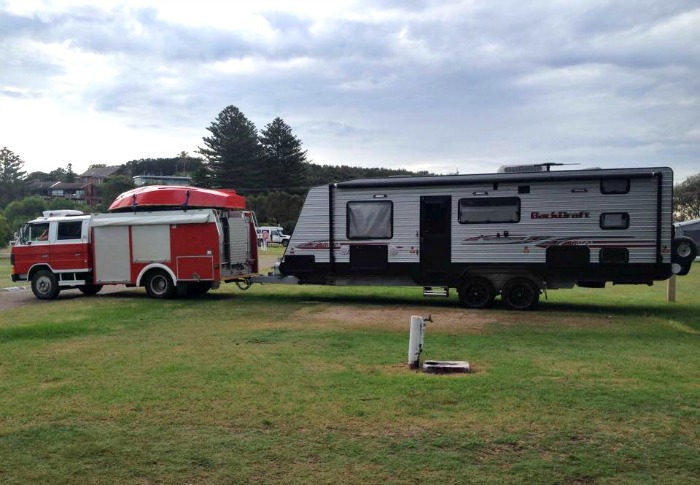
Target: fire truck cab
x=150, y=242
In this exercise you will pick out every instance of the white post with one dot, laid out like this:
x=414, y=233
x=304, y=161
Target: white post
x=415, y=341
x=671, y=289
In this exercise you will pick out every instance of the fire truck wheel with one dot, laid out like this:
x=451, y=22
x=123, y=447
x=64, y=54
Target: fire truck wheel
x=285, y=243
x=520, y=294
x=684, y=250
x=89, y=290
x=45, y=285
x=159, y=284
x=476, y=292
x=200, y=288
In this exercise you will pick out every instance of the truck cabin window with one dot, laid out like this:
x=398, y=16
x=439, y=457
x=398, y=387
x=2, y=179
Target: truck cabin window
x=489, y=211
x=69, y=230
x=370, y=219
x=615, y=186
x=39, y=232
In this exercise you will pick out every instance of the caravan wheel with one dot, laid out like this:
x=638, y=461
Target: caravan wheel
x=476, y=292
x=520, y=294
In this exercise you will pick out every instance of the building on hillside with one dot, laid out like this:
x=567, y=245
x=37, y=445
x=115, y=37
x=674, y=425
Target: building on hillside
x=68, y=190
x=140, y=180
x=41, y=188
x=76, y=191
x=96, y=176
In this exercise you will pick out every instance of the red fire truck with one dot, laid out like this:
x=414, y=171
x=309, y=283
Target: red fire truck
x=172, y=240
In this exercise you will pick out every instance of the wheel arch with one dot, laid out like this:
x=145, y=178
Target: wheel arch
x=38, y=267
x=146, y=269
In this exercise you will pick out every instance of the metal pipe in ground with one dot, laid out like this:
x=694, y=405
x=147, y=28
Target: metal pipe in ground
x=415, y=341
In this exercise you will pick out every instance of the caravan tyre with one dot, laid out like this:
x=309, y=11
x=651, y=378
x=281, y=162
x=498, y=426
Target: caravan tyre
x=45, y=285
x=476, y=292
x=159, y=284
x=683, y=250
x=520, y=294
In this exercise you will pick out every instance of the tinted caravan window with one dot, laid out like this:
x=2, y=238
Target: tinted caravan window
x=370, y=219
x=615, y=220
x=615, y=186
x=491, y=210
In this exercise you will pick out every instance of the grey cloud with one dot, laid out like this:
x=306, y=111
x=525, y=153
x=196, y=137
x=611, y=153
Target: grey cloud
x=461, y=84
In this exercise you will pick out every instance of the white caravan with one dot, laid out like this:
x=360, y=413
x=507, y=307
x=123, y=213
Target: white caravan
x=513, y=234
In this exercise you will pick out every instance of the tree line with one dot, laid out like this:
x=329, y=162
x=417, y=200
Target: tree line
x=268, y=166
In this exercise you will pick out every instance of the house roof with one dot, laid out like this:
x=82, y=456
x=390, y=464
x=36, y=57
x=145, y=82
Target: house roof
x=40, y=184
x=68, y=185
x=100, y=172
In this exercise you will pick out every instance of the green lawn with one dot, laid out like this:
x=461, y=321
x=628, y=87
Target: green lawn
x=5, y=270
x=285, y=384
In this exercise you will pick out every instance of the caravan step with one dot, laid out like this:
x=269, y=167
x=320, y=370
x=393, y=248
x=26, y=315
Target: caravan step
x=436, y=291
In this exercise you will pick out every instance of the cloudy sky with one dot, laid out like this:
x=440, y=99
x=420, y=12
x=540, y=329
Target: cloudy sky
x=445, y=86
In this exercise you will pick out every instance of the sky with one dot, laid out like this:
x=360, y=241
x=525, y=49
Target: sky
x=444, y=86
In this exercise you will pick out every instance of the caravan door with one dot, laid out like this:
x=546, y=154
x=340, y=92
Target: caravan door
x=435, y=239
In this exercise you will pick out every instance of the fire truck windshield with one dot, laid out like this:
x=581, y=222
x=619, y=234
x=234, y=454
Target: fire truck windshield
x=24, y=234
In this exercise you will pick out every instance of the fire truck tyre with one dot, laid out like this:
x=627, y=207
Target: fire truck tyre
x=285, y=242
x=159, y=284
x=683, y=250
x=200, y=288
x=45, y=285
x=520, y=294
x=476, y=292
x=89, y=290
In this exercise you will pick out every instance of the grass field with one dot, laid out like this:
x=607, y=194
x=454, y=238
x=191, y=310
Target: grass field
x=5, y=270
x=285, y=384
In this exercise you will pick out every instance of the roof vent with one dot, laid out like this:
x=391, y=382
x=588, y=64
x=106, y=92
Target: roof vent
x=62, y=213
x=523, y=168
x=538, y=167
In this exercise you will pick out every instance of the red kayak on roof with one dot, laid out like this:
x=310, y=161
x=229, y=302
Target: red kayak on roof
x=154, y=197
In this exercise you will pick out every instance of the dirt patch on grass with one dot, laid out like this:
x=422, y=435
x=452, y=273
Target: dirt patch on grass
x=446, y=320
x=393, y=318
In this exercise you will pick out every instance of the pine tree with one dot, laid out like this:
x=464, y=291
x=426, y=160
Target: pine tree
x=12, y=177
x=285, y=159
x=233, y=152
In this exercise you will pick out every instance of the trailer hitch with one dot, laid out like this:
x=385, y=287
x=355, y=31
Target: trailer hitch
x=244, y=284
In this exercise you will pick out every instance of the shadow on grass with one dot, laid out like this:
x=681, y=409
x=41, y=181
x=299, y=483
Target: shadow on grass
x=52, y=331
x=653, y=309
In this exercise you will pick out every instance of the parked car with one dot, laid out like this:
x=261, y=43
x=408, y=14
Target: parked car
x=275, y=235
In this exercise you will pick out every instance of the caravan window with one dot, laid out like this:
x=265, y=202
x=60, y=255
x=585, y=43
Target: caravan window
x=370, y=219
x=494, y=209
x=615, y=186
x=615, y=220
